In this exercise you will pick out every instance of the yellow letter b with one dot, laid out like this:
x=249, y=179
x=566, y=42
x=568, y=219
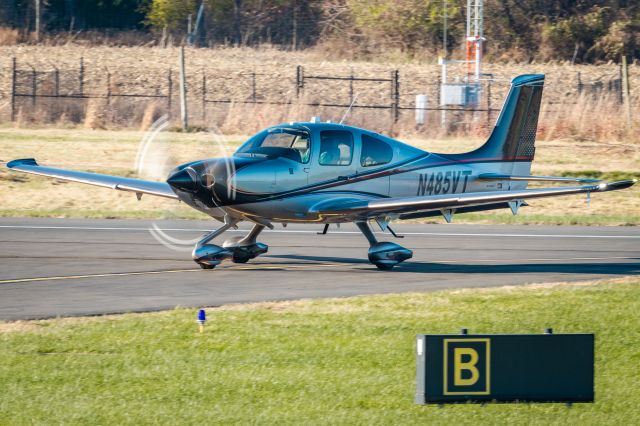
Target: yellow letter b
x=469, y=366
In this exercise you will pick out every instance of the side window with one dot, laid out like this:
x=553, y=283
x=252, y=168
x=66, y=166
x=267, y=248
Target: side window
x=303, y=146
x=336, y=148
x=375, y=152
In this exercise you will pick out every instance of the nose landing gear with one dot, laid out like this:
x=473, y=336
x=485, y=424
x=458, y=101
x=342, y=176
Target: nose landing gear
x=239, y=249
x=246, y=248
x=208, y=256
x=385, y=255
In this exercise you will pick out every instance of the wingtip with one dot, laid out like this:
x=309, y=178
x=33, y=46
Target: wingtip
x=621, y=184
x=22, y=162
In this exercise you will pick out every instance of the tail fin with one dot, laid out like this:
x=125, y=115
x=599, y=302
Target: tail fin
x=513, y=138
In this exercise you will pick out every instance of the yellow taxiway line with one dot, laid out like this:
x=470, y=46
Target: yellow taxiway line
x=75, y=277
x=125, y=274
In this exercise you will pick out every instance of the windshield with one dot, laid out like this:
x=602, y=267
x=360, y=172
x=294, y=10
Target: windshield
x=294, y=144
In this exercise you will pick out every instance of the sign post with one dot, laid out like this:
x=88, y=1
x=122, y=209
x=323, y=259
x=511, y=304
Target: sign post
x=505, y=368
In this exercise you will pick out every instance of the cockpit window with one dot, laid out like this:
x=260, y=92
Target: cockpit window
x=336, y=148
x=294, y=144
x=374, y=152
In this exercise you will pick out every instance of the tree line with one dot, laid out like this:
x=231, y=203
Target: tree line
x=582, y=31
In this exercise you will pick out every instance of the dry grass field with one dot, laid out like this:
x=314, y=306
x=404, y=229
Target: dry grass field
x=229, y=73
x=115, y=152
x=145, y=66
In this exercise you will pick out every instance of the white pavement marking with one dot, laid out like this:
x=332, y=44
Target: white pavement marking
x=296, y=231
x=287, y=266
x=554, y=259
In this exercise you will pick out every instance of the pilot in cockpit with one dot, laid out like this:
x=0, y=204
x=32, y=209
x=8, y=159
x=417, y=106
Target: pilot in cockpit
x=330, y=154
x=334, y=150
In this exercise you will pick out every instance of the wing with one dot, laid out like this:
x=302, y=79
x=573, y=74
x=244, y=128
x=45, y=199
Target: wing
x=451, y=202
x=139, y=186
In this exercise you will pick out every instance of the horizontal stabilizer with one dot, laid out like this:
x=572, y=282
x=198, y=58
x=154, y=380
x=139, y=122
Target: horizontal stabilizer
x=495, y=176
x=139, y=186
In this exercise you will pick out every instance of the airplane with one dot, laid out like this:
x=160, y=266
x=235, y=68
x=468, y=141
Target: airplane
x=330, y=173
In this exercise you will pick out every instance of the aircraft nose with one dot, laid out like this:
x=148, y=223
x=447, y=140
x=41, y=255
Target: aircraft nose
x=184, y=179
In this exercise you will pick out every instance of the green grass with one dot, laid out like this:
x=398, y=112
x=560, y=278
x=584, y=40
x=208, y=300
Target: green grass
x=336, y=361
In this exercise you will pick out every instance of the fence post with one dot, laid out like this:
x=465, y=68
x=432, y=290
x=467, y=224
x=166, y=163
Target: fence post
x=488, y=101
x=13, y=89
x=108, y=88
x=204, y=97
x=253, y=87
x=625, y=89
x=299, y=80
x=81, y=76
x=169, y=91
x=183, y=92
x=56, y=75
x=620, y=94
x=34, y=85
x=351, y=87
x=395, y=93
x=579, y=83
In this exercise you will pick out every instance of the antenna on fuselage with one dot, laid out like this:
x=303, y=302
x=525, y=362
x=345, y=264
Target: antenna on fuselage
x=349, y=109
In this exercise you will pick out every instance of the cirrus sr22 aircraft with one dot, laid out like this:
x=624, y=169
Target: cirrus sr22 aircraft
x=332, y=173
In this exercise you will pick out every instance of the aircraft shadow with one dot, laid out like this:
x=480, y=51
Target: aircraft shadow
x=318, y=258
x=609, y=268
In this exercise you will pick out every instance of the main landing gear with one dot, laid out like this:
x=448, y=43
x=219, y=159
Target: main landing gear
x=384, y=255
x=239, y=249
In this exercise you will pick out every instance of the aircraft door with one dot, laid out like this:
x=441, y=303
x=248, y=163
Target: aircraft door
x=292, y=173
x=335, y=158
x=375, y=154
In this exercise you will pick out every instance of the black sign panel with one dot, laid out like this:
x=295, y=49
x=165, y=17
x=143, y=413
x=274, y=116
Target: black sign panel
x=505, y=368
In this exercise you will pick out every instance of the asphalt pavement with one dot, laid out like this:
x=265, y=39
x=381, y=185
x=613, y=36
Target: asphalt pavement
x=64, y=267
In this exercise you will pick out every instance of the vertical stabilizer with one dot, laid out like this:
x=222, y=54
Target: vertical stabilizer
x=513, y=138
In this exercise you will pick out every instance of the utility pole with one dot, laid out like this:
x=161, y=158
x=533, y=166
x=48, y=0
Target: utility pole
x=37, y=24
x=444, y=37
x=294, y=41
x=193, y=34
x=237, y=8
x=183, y=92
x=625, y=89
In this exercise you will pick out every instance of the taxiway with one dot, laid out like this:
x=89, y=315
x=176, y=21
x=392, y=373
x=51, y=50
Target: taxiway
x=63, y=267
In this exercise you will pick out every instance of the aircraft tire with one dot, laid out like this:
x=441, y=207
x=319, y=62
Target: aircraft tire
x=205, y=266
x=384, y=266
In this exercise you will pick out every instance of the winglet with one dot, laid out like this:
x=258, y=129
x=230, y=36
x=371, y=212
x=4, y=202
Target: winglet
x=527, y=79
x=22, y=162
x=621, y=184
